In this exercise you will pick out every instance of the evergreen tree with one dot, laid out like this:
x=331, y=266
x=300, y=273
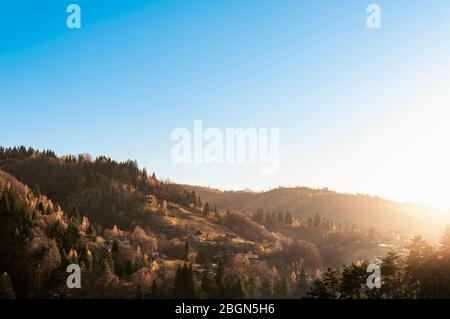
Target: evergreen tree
x=326, y=287
x=353, y=279
x=139, y=292
x=207, y=286
x=105, y=267
x=184, y=282
x=6, y=288
x=302, y=285
x=281, y=289
x=186, y=250
x=236, y=291
x=317, y=221
x=445, y=244
x=288, y=218
x=219, y=280
x=206, y=209
x=391, y=278
x=154, y=290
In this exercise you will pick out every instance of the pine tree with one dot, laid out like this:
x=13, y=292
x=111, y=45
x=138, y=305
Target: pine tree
x=288, y=218
x=352, y=280
x=219, y=280
x=317, y=221
x=105, y=267
x=281, y=289
x=391, y=271
x=139, y=292
x=445, y=244
x=186, y=250
x=6, y=287
x=302, y=285
x=207, y=286
x=184, y=282
x=154, y=290
x=76, y=215
x=236, y=291
x=326, y=287
x=206, y=209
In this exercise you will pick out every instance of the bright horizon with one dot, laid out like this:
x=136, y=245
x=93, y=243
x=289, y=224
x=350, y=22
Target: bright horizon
x=359, y=110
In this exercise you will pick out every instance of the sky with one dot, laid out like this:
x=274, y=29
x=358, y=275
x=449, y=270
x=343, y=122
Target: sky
x=358, y=110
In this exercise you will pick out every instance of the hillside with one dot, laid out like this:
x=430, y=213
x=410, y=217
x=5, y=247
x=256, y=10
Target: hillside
x=133, y=234
x=302, y=202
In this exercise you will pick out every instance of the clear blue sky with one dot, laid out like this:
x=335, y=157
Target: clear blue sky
x=359, y=110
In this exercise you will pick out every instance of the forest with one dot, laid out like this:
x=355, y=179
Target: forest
x=135, y=236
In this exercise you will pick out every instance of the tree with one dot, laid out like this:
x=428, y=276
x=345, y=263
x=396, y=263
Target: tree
x=445, y=243
x=90, y=232
x=218, y=280
x=144, y=174
x=269, y=221
x=154, y=290
x=105, y=267
x=139, y=292
x=206, y=209
x=280, y=217
x=86, y=257
x=259, y=216
x=6, y=287
x=186, y=251
x=266, y=289
x=353, y=279
x=326, y=287
x=317, y=222
x=302, y=285
x=184, y=282
x=76, y=215
x=236, y=290
x=207, y=285
x=419, y=262
x=391, y=284
x=319, y=290
x=288, y=218
x=281, y=289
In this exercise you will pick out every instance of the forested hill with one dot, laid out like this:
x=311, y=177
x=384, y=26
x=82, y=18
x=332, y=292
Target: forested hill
x=108, y=192
x=354, y=209
x=134, y=235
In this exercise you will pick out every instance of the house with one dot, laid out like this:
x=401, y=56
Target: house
x=158, y=257
x=197, y=235
x=252, y=256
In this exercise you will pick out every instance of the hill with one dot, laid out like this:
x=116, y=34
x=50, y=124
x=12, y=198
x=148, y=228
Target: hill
x=363, y=211
x=133, y=234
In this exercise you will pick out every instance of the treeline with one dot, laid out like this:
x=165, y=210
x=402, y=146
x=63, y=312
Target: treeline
x=423, y=273
x=218, y=285
x=22, y=152
x=269, y=220
x=285, y=218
